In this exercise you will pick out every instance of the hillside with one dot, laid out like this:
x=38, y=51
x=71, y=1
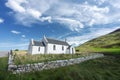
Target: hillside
x=108, y=42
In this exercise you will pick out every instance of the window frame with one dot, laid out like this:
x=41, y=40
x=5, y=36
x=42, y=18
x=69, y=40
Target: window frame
x=54, y=47
x=62, y=48
x=39, y=49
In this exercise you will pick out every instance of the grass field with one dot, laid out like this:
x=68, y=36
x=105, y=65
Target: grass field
x=22, y=58
x=99, y=50
x=108, y=50
x=107, y=68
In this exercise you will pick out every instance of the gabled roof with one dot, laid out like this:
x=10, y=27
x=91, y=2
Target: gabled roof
x=53, y=41
x=38, y=43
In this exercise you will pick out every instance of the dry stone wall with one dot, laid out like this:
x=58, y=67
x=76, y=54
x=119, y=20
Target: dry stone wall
x=47, y=65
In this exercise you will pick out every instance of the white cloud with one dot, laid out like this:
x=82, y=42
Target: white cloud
x=23, y=36
x=74, y=25
x=63, y=36
x=36, y=14
x=9, y=46
x=77, y=40
x=12, y=44
x=29, y=11
x=115, y=3
x=74, y=15
x=15, y=32
x=16, y=5
x=48, y=18
x=1, y=20
x=100, y=2
x=71, y=14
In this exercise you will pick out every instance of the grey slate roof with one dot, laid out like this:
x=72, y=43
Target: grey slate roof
x=53, y=41
x=38, y=43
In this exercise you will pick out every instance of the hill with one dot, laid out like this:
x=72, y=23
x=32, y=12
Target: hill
x=106, y=43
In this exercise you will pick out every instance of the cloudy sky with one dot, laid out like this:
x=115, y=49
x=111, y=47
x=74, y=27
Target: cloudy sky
x=75, y=20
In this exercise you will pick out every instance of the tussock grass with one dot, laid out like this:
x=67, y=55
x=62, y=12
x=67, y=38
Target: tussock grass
x=107, y=68
x=20, y=52
x=21, y=57
x=98, y=50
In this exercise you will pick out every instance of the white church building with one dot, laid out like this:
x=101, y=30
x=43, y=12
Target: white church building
x=50, y=46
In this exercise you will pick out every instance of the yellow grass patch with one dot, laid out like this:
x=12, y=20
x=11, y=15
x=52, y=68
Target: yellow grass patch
x=21, y=52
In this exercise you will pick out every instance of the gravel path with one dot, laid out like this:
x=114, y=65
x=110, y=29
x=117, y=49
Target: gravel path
x=3, y=53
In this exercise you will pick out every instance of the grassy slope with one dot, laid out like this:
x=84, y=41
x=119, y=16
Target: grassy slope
x=108, y=43
x=107, y=68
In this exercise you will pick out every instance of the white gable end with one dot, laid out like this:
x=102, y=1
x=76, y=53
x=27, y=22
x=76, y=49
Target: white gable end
x=38, y=50
x=50, y=46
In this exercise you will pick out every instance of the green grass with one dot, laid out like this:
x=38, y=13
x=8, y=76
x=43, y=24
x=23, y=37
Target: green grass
x=107, y=68
x=99, y=50
x=28, y=58
x=3, y=68
x=106, y=41
x=109, y=43
x=108, y=50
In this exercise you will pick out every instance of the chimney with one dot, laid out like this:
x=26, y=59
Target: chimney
x=32, y=41
x=44, y=37
x=65, y=40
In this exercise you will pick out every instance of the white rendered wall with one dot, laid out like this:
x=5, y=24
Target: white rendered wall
x=30, y=49
x=46, y=47
x=58, y=49
x=35, y=50
x=72, y=50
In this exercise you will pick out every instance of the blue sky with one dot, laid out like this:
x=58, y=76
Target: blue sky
x=75, y=20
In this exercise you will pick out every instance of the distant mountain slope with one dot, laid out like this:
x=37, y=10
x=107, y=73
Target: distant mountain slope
x=111, y=40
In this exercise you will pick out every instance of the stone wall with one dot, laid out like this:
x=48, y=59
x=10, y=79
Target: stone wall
x=10, y=61
x=47, y=65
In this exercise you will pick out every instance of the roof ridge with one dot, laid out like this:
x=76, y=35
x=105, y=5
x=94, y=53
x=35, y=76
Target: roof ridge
x=38, y=43
x=37, y=40
x=56, y=39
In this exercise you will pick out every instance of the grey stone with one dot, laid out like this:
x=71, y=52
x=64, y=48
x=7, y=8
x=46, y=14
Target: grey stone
x=48, y=65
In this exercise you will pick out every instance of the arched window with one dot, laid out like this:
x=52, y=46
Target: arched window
x=54, y=47
x=63, y=48
x=39, y=49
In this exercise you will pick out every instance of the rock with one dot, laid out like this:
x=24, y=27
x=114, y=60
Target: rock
x=12, y=67
x=49, y=64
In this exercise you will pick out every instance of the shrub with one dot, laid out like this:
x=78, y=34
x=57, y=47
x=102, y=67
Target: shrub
x=16, y=49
